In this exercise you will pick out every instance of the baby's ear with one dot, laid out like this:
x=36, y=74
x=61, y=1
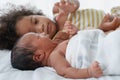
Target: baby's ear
x=38, y=55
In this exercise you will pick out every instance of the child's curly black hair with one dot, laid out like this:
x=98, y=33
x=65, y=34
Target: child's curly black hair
x=8, y=35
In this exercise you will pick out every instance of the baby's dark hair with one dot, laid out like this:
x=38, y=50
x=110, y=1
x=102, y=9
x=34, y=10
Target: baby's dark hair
x=21, y=58
x=8, y=20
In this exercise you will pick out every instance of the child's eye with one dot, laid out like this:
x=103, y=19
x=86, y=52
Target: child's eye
x=35, y=21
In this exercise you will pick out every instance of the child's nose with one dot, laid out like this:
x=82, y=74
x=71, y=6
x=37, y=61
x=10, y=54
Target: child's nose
x=40, y=28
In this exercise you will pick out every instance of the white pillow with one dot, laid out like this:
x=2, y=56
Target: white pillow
x=5, y=64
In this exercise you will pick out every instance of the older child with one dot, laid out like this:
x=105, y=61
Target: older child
x=19, y=21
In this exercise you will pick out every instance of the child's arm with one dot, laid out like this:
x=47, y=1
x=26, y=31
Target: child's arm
x=70, y=28
x=63, y=8
x=68, y=31
x=109, y=23
x=61, y=36
x=63, y=68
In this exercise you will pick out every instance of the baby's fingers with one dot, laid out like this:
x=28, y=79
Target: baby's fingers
x=95, y=64
x=106, y=18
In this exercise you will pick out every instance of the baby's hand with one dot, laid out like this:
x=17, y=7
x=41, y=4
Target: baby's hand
x=94, y=70
x=70, y=28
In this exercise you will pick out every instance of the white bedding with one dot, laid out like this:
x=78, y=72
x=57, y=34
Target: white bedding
x=47, y=73
x=109, y=53
x=93, y=45
x=8, y=73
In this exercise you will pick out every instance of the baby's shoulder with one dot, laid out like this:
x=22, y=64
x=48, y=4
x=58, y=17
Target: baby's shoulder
x=61, y=48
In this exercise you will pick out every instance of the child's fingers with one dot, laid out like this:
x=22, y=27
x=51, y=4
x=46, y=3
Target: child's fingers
x=115, y=22
x=62, y=1
x=57, y=4
x=60, y=14
x=75, y=6
x=111, y=18
x=67, y=23
x=68, y=27
x=68, y=2
x=106, y=17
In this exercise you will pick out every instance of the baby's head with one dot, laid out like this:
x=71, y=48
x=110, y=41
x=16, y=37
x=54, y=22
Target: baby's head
x=31, y=51
x=20, y=20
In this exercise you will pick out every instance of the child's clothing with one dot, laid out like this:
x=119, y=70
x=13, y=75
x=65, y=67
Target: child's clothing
x=86, y=18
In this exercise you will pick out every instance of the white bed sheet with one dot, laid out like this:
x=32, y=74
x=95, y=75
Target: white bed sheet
x=6, y=70
x=45, y=73
x=9, y=73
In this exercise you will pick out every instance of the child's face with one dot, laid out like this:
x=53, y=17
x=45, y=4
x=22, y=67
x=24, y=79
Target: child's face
x=37, y=24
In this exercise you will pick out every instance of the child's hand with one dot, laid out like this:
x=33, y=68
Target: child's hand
x=70, y=28
x=94, y=70
x=64, y=7
x=109, y=24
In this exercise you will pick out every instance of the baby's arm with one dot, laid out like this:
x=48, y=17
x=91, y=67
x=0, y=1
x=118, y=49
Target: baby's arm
x=63, y=68
x=108, y=24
